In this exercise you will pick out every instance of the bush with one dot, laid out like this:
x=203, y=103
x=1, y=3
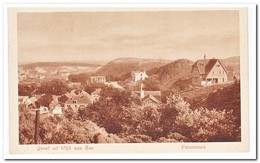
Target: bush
x=138, y=139
x=203, y=125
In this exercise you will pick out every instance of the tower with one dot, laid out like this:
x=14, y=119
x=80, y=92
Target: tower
x=141, y=92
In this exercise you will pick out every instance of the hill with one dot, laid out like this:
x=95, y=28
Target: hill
x=233, y=66
x=58, y=64
x=55, y=69
x=171, y=72
x=123, y=66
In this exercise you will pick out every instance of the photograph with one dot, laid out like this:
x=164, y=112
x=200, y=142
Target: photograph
x=118, y=80
x=128, y=77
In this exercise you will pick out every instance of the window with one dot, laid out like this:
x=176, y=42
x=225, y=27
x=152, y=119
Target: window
x=223, y=80
x=74, y=102
x=212, y=72
x=218, y=65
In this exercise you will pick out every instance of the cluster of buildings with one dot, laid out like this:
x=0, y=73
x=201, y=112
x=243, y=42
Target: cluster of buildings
x=75, y=100
x=72, y=100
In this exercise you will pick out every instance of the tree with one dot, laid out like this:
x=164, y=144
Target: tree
x=150, y=123
x=82, y=77
x=53, y=87
x=202, y=125
x=25, y=89
x=45, y=100
x=226, y=99
x=26, y=126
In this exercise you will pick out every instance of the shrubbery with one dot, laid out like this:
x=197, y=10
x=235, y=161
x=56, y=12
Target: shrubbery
x=114, y=119
x=203, y=125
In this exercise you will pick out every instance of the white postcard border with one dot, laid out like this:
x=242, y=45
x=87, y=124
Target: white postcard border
x=252, y=99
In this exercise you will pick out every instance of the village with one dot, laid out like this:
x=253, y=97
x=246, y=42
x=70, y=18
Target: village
x=205, y=72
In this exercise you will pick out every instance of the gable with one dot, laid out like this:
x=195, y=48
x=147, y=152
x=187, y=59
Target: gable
x=150, y=98
x=217, y=69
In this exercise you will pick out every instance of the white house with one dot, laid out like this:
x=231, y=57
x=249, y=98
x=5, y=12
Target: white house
x=139, y=75
x=57, y=110
x=98, y=79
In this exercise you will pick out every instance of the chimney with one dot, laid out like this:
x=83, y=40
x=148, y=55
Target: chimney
x=204, y=56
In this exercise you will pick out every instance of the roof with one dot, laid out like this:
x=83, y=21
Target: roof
x=97, y=91
x=152, y=98
x=63, y=98
x=156, y=94
x=205, y=65
x=54, y=103
x=82, y=98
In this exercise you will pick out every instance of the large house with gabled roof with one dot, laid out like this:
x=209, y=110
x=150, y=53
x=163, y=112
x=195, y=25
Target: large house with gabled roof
x=208, y=72
x=80, y=100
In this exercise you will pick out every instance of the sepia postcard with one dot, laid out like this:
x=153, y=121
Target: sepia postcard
x=115, y=80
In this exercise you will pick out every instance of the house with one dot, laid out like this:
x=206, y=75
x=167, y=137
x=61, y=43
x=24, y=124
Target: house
x=208, y=71
x=98, y=79
x=57, y=110
x=30, y=102
x=22, y=99
x=96, y=94
x=83, y=99
x=149, y=97
x=150, y=100
x=139, y=75
x=53, y=103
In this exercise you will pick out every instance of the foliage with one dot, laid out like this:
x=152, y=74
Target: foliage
x=53, y=87
x=203, y=125
x=228, y=99
x=115, y=115
x=25, y=89
x=138, y=139
x=61, y=130
x=82, y=77
x=150, y=123
x=45, y=100
x=26, y=125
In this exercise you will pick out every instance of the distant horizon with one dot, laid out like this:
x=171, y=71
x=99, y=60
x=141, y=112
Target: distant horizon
x=106, y=61
x=94, y=36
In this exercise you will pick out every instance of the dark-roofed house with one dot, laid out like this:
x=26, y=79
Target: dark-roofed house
x=208, y=71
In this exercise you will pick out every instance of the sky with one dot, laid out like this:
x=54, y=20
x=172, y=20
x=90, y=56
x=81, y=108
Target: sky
x=86, y=36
